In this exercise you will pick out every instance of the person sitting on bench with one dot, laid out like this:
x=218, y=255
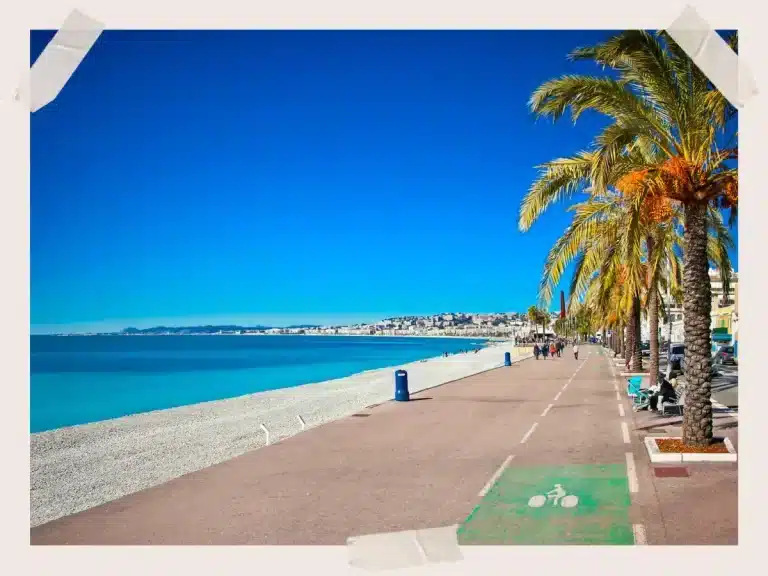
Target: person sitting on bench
x=665, y=393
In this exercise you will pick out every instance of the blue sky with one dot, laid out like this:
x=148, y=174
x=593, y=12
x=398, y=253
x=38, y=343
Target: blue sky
x=290, y=177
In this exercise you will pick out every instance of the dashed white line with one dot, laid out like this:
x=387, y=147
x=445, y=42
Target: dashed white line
x=546, y=410
x=639, y=532
x=632, y=473
x=618, y=396
x=495, y=476
x=621, y=410
x=528, y=434
x=558, y=395
x=625, y=432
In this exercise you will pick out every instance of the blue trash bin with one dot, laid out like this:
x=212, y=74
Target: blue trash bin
x=507, y=359
x=401, y=386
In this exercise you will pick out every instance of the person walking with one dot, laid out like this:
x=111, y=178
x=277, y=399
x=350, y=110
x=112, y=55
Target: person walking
x=575, y=350
x=536, y=351
x=544, y=350
x=552, y=350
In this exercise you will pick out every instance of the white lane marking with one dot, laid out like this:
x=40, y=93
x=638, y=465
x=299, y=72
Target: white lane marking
x=621, y=410
x=558, y=395
x=496, y=476
x=618, y=396
x=725, y=408
x=639, y=532
x=546, y=410
x=528, y=434
x=632, y=473
x=625, y=432
x=571, y=378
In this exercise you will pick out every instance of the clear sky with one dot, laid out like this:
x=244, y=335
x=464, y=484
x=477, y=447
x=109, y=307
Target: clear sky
x=293, y=177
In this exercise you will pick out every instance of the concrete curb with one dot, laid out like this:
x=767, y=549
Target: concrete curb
x=659, y=457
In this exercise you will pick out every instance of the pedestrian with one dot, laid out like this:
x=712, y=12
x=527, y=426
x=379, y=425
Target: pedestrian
x=536, y=351
x=552, y=350
x=575, y=350
x=544, y=350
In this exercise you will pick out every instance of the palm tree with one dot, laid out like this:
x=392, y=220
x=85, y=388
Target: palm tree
x=662, y=105
x=533, y=316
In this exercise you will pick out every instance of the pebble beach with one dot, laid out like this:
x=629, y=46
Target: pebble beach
x=79, y=467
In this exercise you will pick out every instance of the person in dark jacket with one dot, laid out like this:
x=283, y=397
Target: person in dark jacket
x=665, y=393
x=536, y=351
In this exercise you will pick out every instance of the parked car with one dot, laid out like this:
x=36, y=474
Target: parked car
x=724, y=355
x=676, y=360
x=645, y=348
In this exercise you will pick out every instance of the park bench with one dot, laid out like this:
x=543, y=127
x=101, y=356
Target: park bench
x=676, y=406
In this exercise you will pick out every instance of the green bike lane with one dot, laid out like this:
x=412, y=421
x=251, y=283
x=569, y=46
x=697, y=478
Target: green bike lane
x=567, y=480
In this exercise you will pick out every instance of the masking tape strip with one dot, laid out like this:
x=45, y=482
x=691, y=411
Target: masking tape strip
x=59, y=60
x=396, y=550
x=713, y=56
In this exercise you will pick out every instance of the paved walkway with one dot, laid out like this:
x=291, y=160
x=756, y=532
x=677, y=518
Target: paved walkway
x=486, y=452
x=691, y=504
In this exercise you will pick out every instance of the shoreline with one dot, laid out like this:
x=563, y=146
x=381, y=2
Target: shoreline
x=472, y=344
x=78, y=467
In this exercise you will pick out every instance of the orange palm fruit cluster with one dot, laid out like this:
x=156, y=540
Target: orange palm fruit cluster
x=658, y=208
x=633, y=182
x=731, y=192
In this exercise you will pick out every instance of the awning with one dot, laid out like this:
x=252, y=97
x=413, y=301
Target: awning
x=720, y=337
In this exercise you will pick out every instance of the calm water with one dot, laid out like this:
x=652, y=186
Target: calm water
x=80, y=379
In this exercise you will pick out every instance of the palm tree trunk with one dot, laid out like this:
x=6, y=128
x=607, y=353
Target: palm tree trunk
x=653, y=315
x=637, y=340
x=620, y=336
x=697, y=302
x=629, y=345
x=653, y=323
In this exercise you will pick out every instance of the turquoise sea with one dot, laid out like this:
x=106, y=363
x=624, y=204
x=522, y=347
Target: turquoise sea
x=81, y=379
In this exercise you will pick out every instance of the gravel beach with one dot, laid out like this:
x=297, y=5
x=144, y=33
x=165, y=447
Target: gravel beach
x=76, y=468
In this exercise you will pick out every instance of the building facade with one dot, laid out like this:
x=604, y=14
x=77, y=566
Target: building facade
x=724, y=315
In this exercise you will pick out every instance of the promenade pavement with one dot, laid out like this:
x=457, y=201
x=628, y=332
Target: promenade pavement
x=482, y=452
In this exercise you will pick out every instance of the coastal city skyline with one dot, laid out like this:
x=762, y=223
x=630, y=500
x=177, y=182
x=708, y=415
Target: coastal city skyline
x=470, y=324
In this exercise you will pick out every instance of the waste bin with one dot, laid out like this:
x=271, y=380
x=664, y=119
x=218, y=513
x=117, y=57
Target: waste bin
x=401, y=386
x=507, y=359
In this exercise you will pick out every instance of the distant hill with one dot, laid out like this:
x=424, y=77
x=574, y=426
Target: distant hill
x=192, y=329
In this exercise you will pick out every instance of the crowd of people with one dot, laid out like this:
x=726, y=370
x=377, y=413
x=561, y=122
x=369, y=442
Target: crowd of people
x=554, y=348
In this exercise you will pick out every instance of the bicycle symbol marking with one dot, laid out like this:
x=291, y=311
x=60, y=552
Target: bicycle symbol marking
x=557, y=495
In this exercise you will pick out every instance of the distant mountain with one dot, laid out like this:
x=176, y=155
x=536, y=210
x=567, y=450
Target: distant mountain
x=192, y=329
